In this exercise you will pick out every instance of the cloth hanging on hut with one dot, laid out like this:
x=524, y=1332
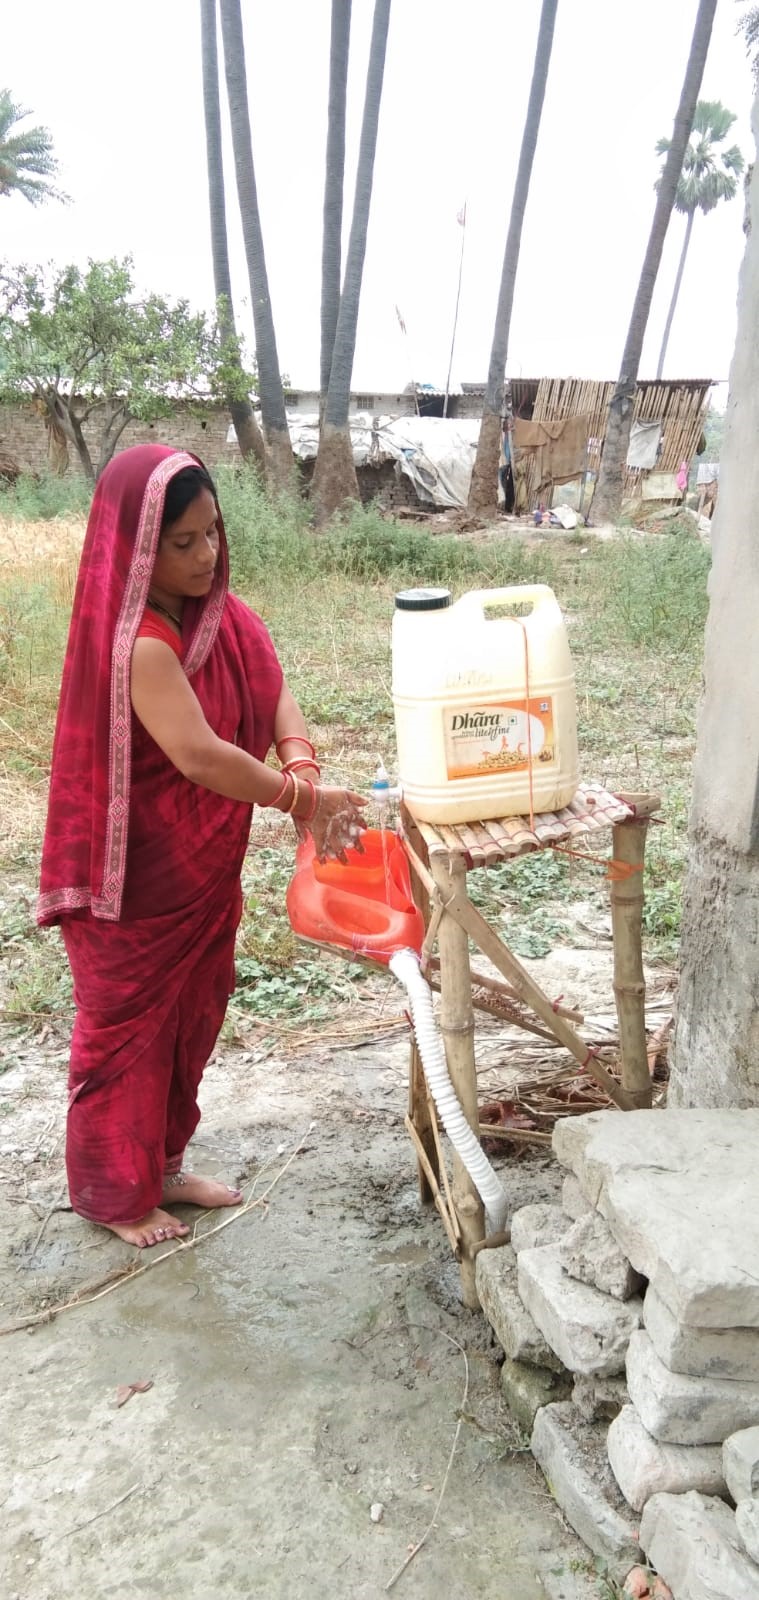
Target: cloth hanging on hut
x=643, y=449
x=559, y=448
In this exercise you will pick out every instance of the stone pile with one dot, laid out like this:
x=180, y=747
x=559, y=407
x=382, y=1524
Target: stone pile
x=630, y=1320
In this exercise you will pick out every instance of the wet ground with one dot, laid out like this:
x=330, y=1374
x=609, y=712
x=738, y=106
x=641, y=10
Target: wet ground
x=310, y=1361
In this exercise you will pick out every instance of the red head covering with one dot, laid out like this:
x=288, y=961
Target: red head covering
x=84, y=852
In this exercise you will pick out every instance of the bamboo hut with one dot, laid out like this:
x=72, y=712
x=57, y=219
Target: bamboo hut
x=679, y=406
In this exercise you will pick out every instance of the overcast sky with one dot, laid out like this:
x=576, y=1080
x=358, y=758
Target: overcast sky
x=120, y=88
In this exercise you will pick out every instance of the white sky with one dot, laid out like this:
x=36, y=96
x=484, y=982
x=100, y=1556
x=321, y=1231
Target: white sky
x=120, y=88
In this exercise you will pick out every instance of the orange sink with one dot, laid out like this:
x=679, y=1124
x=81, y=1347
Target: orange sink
x=365, y=906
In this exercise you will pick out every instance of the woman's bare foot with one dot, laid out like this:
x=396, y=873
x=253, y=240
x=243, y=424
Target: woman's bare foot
x=189, y=1189
x=155, y=1228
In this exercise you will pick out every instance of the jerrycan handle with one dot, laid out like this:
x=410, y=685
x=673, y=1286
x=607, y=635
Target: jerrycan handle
x=518, y=595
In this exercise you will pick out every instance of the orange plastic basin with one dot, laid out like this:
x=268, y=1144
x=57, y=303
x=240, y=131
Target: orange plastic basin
x=366, y=905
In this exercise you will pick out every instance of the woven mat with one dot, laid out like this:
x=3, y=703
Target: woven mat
x=484, y=843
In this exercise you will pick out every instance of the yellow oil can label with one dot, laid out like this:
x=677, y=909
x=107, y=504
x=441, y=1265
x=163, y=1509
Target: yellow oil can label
x=481, y=740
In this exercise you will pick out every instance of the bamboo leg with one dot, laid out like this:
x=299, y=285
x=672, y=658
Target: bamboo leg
x=629, y=846
x=418, y=1108
x=457, y=1028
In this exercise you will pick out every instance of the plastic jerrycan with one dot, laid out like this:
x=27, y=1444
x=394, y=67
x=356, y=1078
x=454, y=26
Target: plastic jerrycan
x=484, y=700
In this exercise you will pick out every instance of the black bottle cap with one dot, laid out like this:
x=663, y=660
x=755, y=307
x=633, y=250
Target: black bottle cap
x=423, y=599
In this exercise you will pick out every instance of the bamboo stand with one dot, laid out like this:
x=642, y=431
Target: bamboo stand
x=440, y=858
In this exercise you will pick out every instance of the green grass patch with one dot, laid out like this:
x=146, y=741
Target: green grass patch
x=40, y=499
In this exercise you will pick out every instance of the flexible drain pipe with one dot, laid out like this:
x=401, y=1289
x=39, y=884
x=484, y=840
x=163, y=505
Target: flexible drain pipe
x=404, y=966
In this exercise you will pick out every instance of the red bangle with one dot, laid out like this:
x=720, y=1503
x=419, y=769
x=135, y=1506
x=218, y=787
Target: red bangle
x=281, y=790
x=295, y=738
x=299, y=763
x=309, y=817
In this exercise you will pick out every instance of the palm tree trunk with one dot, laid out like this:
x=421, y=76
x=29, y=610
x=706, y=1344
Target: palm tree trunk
x=483, y=492
x=280, y=462
x=248, y=433
x=607, y=500
x=334, y=479
x=675, y=293
x=333, y=189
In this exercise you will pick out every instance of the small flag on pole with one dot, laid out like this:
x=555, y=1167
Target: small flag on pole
x=401, y=322
x=461, y=216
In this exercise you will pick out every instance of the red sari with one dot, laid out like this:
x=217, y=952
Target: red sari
x=140, y=866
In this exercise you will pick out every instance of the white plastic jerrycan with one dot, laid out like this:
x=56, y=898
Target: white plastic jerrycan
x=484, y=699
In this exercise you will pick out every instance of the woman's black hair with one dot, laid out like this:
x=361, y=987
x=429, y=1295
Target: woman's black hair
x=182, y=490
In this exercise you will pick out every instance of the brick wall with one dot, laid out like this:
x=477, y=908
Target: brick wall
x=23, y=436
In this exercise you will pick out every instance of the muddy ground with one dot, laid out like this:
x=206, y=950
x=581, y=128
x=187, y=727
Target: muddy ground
x=306, y=1361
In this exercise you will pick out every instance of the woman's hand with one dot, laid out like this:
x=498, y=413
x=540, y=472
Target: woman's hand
x=337, y=824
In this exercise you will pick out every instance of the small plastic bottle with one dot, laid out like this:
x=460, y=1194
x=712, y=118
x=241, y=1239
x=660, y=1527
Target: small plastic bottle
x=382, y=793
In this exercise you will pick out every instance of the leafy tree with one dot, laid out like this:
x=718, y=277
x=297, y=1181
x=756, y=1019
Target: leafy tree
x=94, y=355
x=26, y=155
x=241, y=411
x=714, y=433
x=280, y=461
x=483, y=489
x=709, y=174
x=607, y=500
x=334, y=479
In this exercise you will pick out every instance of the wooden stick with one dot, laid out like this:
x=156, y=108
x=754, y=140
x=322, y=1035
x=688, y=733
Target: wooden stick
x=421, y=1155
x=418, y=1108
x=494, y=1241
x=629, y=986
x=501, y=1007
x=481, y=980
x=441, y=1166
x=491, y=1130
x=457, y=1028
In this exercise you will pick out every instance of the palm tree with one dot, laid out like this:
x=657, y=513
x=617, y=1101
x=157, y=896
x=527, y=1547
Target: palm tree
x=26, y=158
x=708, y=176
x=271, y=393
x=483, y=488
x=334, y=479
x=748, y=25
x=607, y=500
x=333, y=188
x=240, y=409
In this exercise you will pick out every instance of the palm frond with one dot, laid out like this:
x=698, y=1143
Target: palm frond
x=26, y=155
x=748, y=25
x=708, y=174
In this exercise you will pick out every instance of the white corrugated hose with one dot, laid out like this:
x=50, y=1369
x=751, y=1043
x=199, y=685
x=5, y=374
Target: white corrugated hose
x=404, y=966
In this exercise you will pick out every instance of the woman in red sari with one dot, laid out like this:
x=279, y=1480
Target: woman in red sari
x=171, y=697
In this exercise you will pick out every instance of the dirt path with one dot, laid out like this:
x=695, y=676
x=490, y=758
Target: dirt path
x=299, y=1360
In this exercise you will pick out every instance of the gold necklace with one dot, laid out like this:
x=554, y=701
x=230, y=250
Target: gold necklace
x=155, y=605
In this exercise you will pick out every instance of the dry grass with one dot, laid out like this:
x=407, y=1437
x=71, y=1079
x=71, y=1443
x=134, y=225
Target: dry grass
x=27, y=543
